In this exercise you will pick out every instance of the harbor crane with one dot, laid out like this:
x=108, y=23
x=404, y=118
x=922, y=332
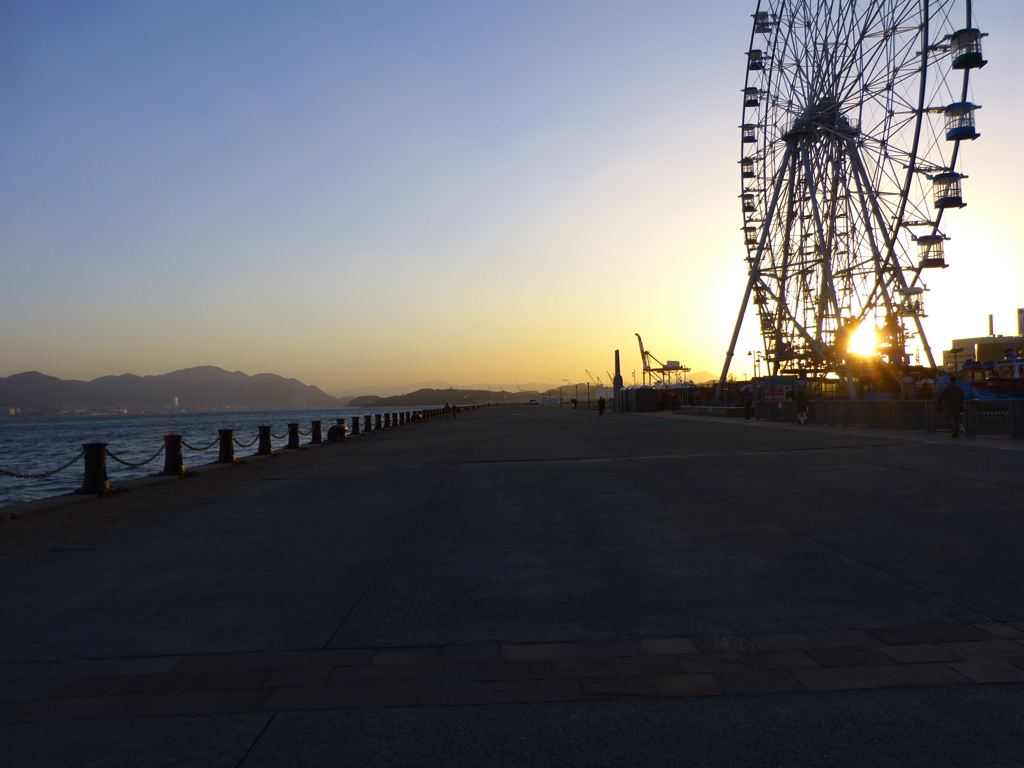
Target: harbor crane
x=669, y=372
x=595, y=379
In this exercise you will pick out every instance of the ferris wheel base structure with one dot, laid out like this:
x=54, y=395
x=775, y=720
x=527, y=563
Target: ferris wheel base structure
x=853, y=117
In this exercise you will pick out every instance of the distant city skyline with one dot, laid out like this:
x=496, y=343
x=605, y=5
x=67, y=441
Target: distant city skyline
x=385, y=193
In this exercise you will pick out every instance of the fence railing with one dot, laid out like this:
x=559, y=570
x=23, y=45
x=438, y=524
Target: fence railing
x=981, y=417
x=95, y=455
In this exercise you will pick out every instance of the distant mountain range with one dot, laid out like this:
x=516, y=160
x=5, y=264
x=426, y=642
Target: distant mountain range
x=207, y=386
x=440, y=397
x=701, y=376
x=373, y=389
x=202, y=387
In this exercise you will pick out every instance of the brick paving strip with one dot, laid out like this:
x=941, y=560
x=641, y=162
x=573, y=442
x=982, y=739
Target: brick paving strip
x=526, y=673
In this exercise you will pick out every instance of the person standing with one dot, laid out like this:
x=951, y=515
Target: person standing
x=801, y=405
x=600, y=406
x=446, y=410
x=953, y=397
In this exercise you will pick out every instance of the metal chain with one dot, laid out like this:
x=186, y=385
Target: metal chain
x=278, y=437
x=42, y=474
x=193, y=448
x=119, y=460
x=134, y=463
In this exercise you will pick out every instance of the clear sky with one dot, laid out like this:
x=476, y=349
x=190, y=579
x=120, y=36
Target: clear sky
x=385, y=192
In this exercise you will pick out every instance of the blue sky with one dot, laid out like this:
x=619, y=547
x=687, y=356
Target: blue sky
x=387, y=192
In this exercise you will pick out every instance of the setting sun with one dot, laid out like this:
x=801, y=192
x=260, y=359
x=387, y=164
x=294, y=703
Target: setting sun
x=864, y=341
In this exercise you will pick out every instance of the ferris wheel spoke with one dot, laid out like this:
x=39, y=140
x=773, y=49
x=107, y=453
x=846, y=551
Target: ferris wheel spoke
x=796, y=325
x=877, y=262
x=889, y=237
x=827, y=291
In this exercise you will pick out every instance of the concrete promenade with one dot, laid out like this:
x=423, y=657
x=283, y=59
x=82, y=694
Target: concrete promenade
x=532, y=586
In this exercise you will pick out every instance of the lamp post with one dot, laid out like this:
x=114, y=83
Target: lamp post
x=756, y=362
x=956, y=351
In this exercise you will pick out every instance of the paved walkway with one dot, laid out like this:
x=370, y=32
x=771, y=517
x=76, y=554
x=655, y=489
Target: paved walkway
x=531, y=586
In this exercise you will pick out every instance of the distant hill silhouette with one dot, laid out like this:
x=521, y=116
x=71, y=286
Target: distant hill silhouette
x=439, y=397
x=701, y=376
x=203, y=387
x=401, y=389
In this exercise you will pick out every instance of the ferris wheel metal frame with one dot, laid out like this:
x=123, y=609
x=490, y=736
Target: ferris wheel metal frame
x=850, y=142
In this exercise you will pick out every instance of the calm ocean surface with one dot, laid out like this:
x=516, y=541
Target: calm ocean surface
x=35, y=445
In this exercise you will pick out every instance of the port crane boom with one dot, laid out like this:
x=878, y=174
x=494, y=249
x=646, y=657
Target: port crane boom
x=670, y=372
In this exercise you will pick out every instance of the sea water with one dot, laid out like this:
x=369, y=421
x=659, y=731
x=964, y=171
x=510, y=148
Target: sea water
x=36, y=445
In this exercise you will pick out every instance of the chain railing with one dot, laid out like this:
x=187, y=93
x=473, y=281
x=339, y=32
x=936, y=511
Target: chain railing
x=95, y=454
x=41, y=475
x=205, y=448
x=119, y=460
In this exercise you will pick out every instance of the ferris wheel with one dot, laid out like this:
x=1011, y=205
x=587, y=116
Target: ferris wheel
x=853, y=116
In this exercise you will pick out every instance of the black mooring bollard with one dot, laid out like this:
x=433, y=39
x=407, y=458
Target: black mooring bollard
x=95, y=479
x=401, y=418
x=293, y=436
x=265, y=448
x=355, y=425
x=227, y=446
x=173, y=465
x=317, y=435
x=378, y=420
x=340, y=422
x=387, y=421
x=366, y=423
